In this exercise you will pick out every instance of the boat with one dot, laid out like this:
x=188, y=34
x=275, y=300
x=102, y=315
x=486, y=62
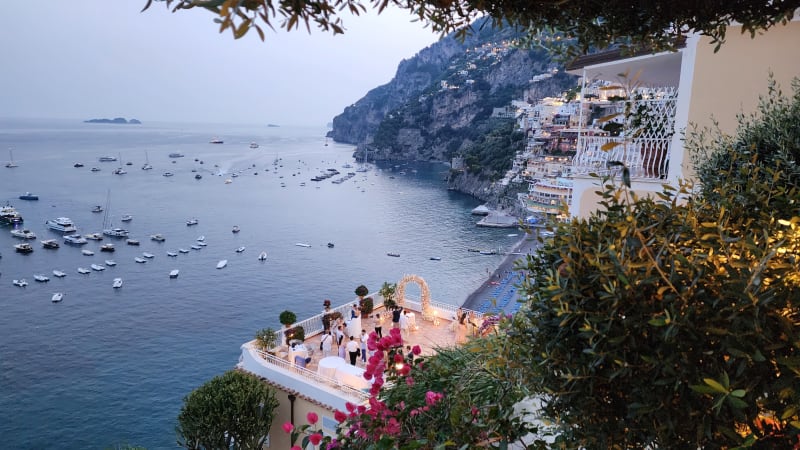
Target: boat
x=488, y=252
x=84, y=270
x=119, y=171
x=9, y=215
x=140, y=260
x=254, y=145
x=262, y=256
x=97, y=209
x=61, y=224
x=396, y=255
x=115, y=232
x=435, y=258
x=235, y=229
x=126, y=218
x=94, y=236
x=107, y=247
x=168, y=174
x=174, y=273
x=11, y=164
x=87, y=252
x=117, y=283
x=146, y=165
x=176, y=155
x=111, y=263
x=197, y=176
x=132, y=242
x=57, y=297
x=98, y=267
x=158, y=237
x=191, y=222
x=28, y=196
x=95, y=169
x=21, y=282
x=172, y=254
x=41, y=278
x=222, y=263
x=50, y=243
x=59, y=274
x=183, y=250
x=202, y=244
x=107, y=158
x=240, y=250
x=23, y=233
x=148, y=255
x=201, y=238
x=300, y=244
x=196, y=247
x=77, y=164
x=23, y=248
x=216, y=140
x=330, y=245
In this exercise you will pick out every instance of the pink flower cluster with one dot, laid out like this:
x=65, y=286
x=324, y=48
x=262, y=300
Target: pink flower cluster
x=312, y=436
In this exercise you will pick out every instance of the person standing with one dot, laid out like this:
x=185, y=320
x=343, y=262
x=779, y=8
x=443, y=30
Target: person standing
x=379, y=325
x=404, y=325
x=339, y=335
x=364, y=339
x=353, y=350
x=396, y=312
x=327, y=341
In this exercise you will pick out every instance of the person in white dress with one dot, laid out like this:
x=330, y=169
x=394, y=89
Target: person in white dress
x=354, y=324
x=327, y=341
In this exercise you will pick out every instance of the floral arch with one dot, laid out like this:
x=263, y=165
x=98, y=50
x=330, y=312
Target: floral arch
x=425, y=297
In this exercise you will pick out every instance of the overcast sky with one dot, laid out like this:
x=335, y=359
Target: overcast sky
x=103, y=58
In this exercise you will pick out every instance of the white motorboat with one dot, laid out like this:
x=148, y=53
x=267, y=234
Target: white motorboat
x=23, y=248
x=50, y=243
x=119, y=171
x=107, y=158
x=132, y=242
x=61, y=224
x=172, y=254
x=148, y=255
x=435, y=258
x=191, y=222
x=222, y=263
x=107, y=247
x=158, y=237
x=21, y=282
x=240, y=250
x=84, y=270
x=117, y=283
x=126, y=218
x=176, y=155
x=262, y=256
x=115, y=232
x=202, y=244
x=183, y=250
x=201, y=238
x=23, y=233
x=300, y=244
x=94, y=236
x=168, y=174
x=196, y=247
x=140, y=260
x=98, y=267
x=97, y=209
x=59, y=274
x=57, y=297
x=174, y=273
x=41, y=278
x=75, y=239
x=254, y=145
x=111, y=263
x=87, y=252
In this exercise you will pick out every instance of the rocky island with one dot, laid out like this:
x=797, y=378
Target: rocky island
x=117, y=120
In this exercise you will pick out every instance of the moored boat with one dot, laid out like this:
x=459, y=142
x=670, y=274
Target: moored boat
x=183, y=250
x=235, y=229
x=172, y=254
x=41, y=278
x=396, y=255
x=115, y=232
x=148, y=255
x=94, y=236
x=84, y=270
x=107, y=247
x=23, y=248
x=9, y=215
x=174, y=273
x=196, y=247
x=132, y=242
x=28, y=196
x=126, y=218
x=23, y=233
x=191, y=222
x=87, y=252
x=57, y=297
x=21, y=282
x=97, y=209
x=222, y=263
x=240, y=249
x=98, y=267
x=158, y=237
x=117, y=283
x=107, y=158
x=61, y=224
x=301, y=244
x=140, y=260
x=262, y=256
x=111, y=263
x=59, y=274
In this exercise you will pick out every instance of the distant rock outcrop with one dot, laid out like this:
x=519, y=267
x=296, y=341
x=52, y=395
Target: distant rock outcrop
x=116, y=120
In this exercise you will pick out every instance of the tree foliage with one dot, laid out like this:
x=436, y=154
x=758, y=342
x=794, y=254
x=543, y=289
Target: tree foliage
x=231, y=411
x=582, y=24
x=674, y=321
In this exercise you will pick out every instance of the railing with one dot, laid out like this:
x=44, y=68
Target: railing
x=313, y=325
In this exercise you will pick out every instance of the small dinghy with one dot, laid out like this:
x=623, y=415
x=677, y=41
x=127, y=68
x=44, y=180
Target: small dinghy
x=222, y=264
x=57, y=297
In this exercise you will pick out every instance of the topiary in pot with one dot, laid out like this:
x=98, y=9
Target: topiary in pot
x=295, y=333
x=361, y=291
x=287, y=318
x=367, y=305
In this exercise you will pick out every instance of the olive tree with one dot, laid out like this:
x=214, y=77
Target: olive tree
x=233, y=410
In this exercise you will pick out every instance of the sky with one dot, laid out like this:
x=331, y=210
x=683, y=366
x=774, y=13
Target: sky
x=104, y=58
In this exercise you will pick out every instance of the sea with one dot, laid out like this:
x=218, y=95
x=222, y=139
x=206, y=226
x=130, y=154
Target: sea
x=110, y=367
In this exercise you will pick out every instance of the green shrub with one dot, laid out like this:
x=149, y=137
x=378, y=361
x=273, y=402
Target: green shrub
x=287, y=317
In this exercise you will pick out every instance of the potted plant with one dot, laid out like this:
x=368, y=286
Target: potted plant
x=387, y=292
x=287, y=318
x=295, y=334
x=361, y=291
x=266, y=339
x=367, y=305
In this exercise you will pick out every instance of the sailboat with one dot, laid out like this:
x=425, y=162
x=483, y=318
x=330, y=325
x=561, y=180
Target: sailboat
x=108, y=228
x=119, y=170
x=146, y=165
x=362, y=167
x=10, y=164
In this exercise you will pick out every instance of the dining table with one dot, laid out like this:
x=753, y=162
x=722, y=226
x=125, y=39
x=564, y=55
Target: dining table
x=327, y=366
x=351, y=376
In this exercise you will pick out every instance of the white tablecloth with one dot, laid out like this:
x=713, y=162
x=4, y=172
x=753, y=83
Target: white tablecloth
x=352, y=376
x=328, y=365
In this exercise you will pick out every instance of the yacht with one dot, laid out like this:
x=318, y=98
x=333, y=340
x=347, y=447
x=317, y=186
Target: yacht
x=107, y=159
x=21, y=282
x=126, y=218
x=191, y=222
x=98, y=267
x=158, y=237
x=28, y=196
x=94, y=236
x=24, y=234
x=222, y=263
x=9, y=215
x=59, y=274
x=23, y=248
x=111, y=263
x=174, y=273
x=117, y=283
x=57, y=297
x=61, y=224
x=262, y=256
x=107, y=247
x=41, y=278
x=75, y=239
x=87, y=252
x=115, y=232
x=84, y=270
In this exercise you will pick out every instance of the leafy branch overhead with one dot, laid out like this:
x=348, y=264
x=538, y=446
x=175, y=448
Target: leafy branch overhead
x=581, y=24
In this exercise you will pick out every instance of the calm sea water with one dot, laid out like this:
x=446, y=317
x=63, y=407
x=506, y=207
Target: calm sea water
x=108, y=367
